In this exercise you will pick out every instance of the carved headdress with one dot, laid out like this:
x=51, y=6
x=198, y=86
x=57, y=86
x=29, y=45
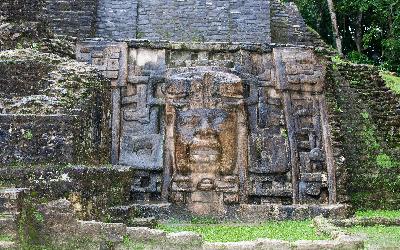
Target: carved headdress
x=203, y=87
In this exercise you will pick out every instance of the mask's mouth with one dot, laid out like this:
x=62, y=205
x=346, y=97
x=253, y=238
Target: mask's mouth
x=205, y=150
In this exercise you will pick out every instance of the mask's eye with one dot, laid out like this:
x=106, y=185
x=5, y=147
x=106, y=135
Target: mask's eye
x=190, y=121
x=218, y=118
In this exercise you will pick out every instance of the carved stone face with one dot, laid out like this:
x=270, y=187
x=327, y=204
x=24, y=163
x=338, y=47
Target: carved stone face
x=204, y=111
x=205, y=140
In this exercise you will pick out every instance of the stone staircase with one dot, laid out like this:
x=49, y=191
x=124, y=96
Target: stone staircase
x=10, y=204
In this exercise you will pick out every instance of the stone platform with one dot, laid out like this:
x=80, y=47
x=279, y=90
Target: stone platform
x=242, y=212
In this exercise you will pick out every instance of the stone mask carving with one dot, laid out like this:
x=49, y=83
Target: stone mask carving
x=203, y=110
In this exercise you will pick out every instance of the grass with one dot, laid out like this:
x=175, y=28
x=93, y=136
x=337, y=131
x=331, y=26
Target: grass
x=392, y=82
x=4, y=237
x=379, y=237
x=284, y=230
x=378, y=213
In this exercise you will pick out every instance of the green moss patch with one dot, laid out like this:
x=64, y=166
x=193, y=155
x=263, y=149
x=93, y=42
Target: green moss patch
x=284, y=230
x=5, y=237
x=391, y=81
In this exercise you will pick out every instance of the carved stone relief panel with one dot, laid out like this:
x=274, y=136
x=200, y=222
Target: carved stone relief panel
x=206, y=137
x=142, y=129
x=146, y=185
x=269, y=169
x=300, y=77
x=251, y=129
x=312, y=165
x=110, y=58
x=142, y=122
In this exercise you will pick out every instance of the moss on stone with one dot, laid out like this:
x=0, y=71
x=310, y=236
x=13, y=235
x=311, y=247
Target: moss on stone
x=364, y=121
x=48, y=84
x=391, y=81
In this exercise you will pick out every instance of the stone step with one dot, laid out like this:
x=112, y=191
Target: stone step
x=11, y=199
x=138, y=213
x=8, y=225
x=149, y=222
x=7, y=245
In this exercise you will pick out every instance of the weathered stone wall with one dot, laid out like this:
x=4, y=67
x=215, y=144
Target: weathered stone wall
x=68, y=17
x=261, y=21
x=189, y=20
x=284, y=106
x=90, y=189
x=20, y=21
x=71, y=17
x=52, y=110
x=117, y=18
x=35, y=139
x=21, y=10
x=365, y=118
x=195, y=20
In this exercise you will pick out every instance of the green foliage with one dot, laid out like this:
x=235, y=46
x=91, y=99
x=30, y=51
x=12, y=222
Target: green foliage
x=385, y=161
x=27, y=134
x=372, y=25
x=391, y=81
x=132, y=245
x=365, y=115
x=359, y=58
x=284, y=133
x=38, y=216
x=391, y=214
x=29, y=225
x=369, y=133
x=391, y=57
x=337, y=60
x=316, y=15
x=5, y=237
x=284, y=230
x=203, y=220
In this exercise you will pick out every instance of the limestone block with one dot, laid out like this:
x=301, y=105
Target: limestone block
x=150, y=222
x=7, y=245
x=264, y=244
x=189, y=239
x=244, y=245
x=317, y=244
x=142, y=60
x=113, y=232
x=351, y=241
x=144, y=151
x=145, y=234
x=269, y=244
x=90, y=228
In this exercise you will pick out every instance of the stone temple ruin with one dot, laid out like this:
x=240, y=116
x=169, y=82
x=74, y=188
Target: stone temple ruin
x=214, y=124
x=208, y=135
x=218, y=107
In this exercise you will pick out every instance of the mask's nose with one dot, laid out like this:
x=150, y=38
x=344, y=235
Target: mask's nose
x=205, y=128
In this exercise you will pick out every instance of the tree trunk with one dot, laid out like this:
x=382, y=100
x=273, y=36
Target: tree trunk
x=359, y=32
x=335, y=27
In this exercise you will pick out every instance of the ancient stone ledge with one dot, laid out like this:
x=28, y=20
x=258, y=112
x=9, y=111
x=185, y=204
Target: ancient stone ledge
x=7, y=245
x=209, y=46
